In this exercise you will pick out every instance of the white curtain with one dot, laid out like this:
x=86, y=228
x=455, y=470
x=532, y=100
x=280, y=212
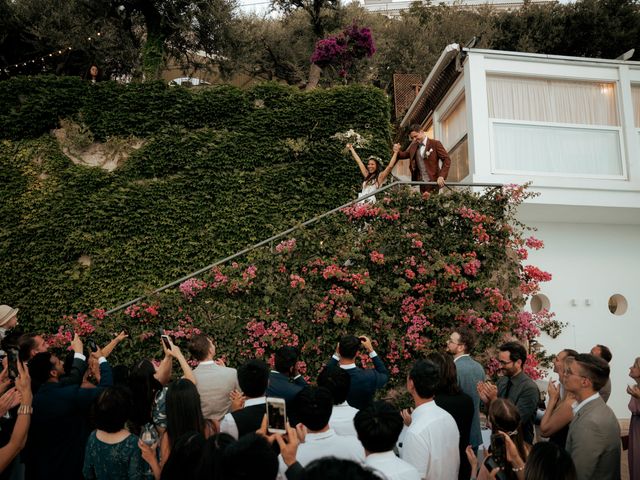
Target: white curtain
x=556, y=150
x=429, y=130
x=551, y=100
x=635, y=95
x=454, y=126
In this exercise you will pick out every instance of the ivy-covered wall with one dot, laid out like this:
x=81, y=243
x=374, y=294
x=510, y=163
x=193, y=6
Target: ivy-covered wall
x=219, y=169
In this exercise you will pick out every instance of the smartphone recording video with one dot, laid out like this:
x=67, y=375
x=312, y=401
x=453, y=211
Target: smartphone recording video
x=12, y=363
x=276, y=415
x=166, y=341
x=498, y=450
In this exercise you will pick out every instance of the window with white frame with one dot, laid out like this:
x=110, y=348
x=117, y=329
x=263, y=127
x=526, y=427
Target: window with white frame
x=554, y=127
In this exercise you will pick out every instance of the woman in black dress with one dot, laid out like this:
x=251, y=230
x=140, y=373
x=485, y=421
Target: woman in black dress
x=458, y=404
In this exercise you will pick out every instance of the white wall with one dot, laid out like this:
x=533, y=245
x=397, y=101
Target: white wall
x=591, y=262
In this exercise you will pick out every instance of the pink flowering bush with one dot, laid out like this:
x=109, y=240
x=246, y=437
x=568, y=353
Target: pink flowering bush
x=342, y=51
x=403, y=271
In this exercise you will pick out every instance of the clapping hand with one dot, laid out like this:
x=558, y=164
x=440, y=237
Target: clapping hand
x=553, y=391
x=237, y=400
x=487, y=392
x=10, y=399
x=634, y=391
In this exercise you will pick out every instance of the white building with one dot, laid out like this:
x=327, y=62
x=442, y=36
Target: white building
x=571, y=127
x=393, y=9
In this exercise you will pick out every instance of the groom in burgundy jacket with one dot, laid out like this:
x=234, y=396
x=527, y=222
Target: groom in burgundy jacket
x=426, y=156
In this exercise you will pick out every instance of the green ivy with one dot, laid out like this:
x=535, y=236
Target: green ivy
x=220, y=169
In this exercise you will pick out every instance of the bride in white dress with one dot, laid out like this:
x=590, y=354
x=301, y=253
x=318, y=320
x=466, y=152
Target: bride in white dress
x=374, y=176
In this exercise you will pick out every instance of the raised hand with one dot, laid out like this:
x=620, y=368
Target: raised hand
x=553, y=391
x=288, y=447
x=634, y=391
x=237, y=400
x=405, y=413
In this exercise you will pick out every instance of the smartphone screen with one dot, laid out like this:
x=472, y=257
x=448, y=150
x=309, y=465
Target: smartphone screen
x=12, y=363
x=166, y=341
x=277, y=415
x=498, y=450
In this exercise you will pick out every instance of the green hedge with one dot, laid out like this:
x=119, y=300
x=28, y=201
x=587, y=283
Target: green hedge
x=220, y=169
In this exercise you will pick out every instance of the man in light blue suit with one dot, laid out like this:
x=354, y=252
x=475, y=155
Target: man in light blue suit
x=462, y=341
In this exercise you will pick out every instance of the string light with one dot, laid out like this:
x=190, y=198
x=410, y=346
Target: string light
x=41, y=59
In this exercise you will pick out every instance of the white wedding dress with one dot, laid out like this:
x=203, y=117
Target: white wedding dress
x=367, y=188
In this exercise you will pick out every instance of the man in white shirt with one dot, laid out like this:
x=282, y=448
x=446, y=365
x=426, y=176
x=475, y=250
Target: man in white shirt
x=215, y=381
x=431, y=440
x=313, y=406
x=253, y=377
x=378, y=428
x=338, y=381
x=594, y=433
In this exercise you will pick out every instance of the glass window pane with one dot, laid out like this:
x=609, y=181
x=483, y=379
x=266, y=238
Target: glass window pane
x=563, y=150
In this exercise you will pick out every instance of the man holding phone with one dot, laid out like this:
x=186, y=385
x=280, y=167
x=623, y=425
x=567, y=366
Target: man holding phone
x=56, y=442
x=364, y=382
x=215, y=381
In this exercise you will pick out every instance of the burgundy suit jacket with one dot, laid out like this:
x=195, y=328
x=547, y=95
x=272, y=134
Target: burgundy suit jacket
x=432, y=161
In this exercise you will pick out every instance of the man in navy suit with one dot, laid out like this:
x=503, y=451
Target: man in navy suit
x=364, y=382
x=59, y=430
x=285, y=381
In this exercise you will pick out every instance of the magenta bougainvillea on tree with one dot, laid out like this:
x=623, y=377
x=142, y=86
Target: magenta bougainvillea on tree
x=343, y=50
x=404, y=271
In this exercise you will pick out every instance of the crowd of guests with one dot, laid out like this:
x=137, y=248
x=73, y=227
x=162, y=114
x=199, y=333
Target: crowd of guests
x=80, y=417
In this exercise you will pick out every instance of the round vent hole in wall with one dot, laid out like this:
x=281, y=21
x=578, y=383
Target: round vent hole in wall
x=539, y=302
x=617, y=304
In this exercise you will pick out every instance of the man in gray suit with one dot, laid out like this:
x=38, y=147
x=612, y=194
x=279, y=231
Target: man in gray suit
x=514, y=385
x=594, y=432
x=460, y=344
x=215, y=380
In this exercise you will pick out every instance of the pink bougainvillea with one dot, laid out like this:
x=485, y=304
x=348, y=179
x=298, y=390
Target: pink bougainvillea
x=344, y=50
x=191, y=287
x=286, y=246
x=403, y=271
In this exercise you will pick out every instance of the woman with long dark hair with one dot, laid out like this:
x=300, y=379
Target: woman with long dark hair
x=373, y=174
x=184, y=414
x=145, y=382
x=453, y=400
x=504, y=419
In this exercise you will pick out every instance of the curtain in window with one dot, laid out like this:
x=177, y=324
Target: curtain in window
x=635, y=95
x=429, y=130
x=551, y=100
x=454, y=126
